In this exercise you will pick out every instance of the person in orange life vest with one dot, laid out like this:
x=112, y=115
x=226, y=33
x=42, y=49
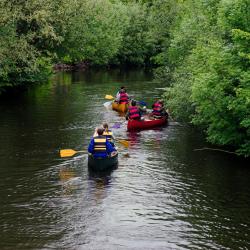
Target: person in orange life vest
x=122, y=97
x=108, y=133
x=118, y=93
x=99, y=145
x=134, y=112
x=158, y=109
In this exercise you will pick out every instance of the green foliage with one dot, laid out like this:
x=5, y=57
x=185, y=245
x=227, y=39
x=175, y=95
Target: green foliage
x=148, y=31
x=97, y=31
x=162, y=16
x=234, y=14
x=209, y=52
x=94, y=33
x=216, y=92
x=27, y=39
x=134, y=48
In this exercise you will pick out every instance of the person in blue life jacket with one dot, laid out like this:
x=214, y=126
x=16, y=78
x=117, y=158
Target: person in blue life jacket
x=99, y=145
x=108, y=133
x=134, y=112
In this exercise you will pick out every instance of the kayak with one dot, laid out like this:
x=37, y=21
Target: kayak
x=123, y=107
x=146, y=124
x=101, y=164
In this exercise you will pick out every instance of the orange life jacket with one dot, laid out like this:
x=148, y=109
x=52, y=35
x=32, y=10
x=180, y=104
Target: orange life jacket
x=123, y=98
x=134, y=113
x=157, y=109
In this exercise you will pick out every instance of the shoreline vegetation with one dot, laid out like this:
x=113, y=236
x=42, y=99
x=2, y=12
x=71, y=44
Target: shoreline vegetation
x=198, y=49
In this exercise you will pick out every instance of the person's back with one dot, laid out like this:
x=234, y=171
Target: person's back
x=99, y=145
x=133, y=112
x=117, y=99
x=123, y=98
x=119, y=91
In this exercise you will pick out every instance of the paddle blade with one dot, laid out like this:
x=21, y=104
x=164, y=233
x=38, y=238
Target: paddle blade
x=109, y=97
x=142, y=103
x=116, y=125
x=67, y=152
x=124, y=143
x=107, y=104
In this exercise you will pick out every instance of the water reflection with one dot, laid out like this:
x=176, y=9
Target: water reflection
x=134, y=139
x=99, y=183
x=66, y=176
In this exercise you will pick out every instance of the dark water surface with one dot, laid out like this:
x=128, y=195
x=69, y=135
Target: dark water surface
x=164, y=195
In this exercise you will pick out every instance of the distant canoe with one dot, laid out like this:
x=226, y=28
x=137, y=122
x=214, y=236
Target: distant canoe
x=134, y=125
x=101, y=164
x=120, y=107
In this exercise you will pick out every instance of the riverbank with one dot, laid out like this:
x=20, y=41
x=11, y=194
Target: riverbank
x=70, y=67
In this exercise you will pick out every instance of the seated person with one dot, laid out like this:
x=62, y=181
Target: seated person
x=158, y=109
x=99, y=146
x=122, y=97
x=134, y=112
x=118, y=93
x=108, y=133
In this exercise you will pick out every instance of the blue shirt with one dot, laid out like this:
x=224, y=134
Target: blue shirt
x=109, y=149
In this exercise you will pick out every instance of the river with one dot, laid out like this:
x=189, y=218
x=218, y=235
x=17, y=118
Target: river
x=164, y=194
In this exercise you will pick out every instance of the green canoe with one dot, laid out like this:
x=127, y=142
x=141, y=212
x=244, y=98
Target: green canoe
x=100, y=164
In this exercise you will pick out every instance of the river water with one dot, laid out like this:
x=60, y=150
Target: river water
x=164, y=194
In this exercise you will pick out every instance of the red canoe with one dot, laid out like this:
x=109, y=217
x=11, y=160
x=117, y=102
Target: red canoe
x=146, y=124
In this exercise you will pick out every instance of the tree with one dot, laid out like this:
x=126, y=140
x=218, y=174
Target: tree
x=211, y=71
x=27, y=41
x=94, y=33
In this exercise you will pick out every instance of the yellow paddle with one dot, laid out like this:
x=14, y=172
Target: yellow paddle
x=69, y=152
x=124, y=143
x=109, y=97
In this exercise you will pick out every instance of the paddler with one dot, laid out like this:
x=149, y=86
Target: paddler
x=99, y=145
x=134, y=112
x=122, y=97
x=158, y=109
x=108, y=133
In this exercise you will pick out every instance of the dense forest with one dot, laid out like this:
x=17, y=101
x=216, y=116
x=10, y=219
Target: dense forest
x=200, y=50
